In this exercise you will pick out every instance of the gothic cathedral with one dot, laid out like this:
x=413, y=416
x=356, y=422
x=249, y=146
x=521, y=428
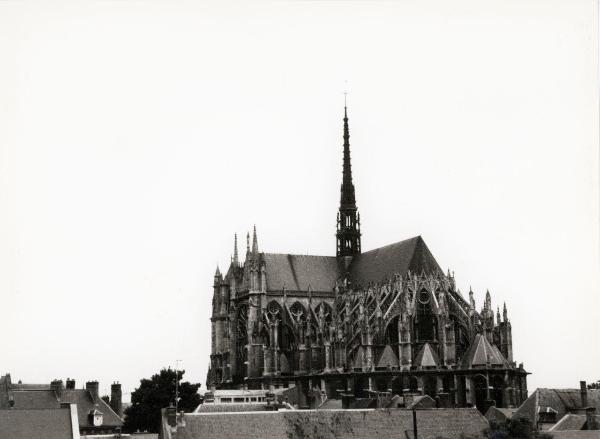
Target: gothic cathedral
x=359, y=325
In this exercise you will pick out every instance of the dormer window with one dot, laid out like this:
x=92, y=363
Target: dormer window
x=96, y=418
x=547, y=415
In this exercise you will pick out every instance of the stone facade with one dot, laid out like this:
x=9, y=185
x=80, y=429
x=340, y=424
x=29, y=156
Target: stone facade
x=359, y=324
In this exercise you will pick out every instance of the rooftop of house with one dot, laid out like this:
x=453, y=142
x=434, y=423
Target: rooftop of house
x=19, y=396
x=54, y=423
x=562, y=401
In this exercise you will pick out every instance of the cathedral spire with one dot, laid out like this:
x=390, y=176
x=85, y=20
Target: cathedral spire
x=348, y=221
x=347, y=193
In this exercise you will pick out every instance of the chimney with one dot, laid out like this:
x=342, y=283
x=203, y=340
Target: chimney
x=591, y=419
x=171, y=415
x=116, y=402
x=92, y=387
x=70, y=384
x=57, y=387
x=583, y=391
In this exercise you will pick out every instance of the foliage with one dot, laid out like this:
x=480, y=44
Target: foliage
x=595, y=385
x=155, y=394
x=106, y=399
x=519, y=428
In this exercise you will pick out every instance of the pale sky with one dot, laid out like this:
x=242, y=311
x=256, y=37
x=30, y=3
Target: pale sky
x=137, y=137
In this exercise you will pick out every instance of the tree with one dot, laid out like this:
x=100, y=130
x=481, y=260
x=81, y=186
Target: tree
x=155, y=394
x=519, y=428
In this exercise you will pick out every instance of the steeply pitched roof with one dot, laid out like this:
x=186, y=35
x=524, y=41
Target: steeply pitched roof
x=427, y=357
x=47, y=399
x=330, y=424
x=561, y=400
x=36, y=424
x=35, y=399
x=482, y=352
x=386, y=357
x=85, y=403
x=399, y=258
x=298, y=272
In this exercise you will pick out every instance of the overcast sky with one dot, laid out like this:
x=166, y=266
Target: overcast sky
x=137, y=137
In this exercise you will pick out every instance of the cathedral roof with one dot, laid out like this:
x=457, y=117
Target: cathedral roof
x=299, y=272
x=398, y=258
x=482, y=352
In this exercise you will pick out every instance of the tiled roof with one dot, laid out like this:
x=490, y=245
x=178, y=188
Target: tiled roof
x=85, y=403
x=482, y=352
x=35, y=399
x=36, y=424
x=47, y=399
x=330, y=424
x=561, y=400
x=570, y=422
x=399, y=258
x=298, y=272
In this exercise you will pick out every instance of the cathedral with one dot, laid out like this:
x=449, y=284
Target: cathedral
x=384, y=323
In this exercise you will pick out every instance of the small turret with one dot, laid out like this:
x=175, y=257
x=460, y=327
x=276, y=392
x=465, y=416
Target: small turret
x=236, y=261
x=504, y=314
x=471, y=298
x=218, y=277
x=254, y=242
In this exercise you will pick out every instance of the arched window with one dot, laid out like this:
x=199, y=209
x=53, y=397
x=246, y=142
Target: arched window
x=425, y=320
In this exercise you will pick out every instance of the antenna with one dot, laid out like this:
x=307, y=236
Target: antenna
x=345, y=91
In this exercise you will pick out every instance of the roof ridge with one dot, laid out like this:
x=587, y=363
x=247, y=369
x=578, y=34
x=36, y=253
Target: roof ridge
x=294, y=254
x=415, y=238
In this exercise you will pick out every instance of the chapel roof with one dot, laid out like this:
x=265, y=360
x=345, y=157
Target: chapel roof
x=482, y=352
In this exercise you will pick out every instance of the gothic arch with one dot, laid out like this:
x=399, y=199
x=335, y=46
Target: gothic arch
x=425, y=321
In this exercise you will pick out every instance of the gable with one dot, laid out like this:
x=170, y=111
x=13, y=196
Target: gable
x=398, y=258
